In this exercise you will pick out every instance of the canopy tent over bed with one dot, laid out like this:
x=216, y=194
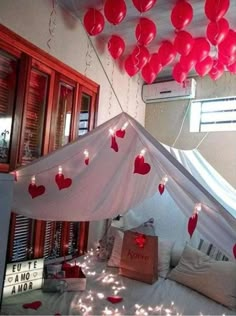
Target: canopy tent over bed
x=106, y=173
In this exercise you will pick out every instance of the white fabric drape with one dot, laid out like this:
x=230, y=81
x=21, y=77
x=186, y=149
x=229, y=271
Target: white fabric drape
x=107, y=186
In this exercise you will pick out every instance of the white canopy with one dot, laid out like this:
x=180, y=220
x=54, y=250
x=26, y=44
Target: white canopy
x=108, y=186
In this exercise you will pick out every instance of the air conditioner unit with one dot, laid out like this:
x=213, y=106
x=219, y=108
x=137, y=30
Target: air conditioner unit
x=168, y=91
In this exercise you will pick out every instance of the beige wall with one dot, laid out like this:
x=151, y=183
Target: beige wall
x=70, y=44
x=30, y=19
x=164, y=120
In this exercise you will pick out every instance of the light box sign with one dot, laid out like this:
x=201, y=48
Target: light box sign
x=23, y=276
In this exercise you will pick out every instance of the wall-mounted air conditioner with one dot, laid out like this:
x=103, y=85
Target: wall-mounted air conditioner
x=168, y=91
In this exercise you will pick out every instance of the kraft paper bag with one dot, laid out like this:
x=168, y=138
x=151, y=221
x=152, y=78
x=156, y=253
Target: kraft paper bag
x=139, y=257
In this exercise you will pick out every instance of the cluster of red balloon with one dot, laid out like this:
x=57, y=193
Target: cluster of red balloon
x=193, y=52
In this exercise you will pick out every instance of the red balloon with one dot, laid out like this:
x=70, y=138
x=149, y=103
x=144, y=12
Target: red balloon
x=148, y=74
x=201, y=48
x=166, y=53
x=217, y=31
x=181, y=15
x=217, y=70
x=226, y=60
x=178, y=73
x=232, y=68
x=116, y=46
x=94, y=22
x=187, y=62
x=130, y=67
x=145, y=31
x=203, y=67
x=216, y=9
x=141, y=56
x=155, y=63
x=183, y=43
x=143, y=5
x=228, y=46
x=115, y=11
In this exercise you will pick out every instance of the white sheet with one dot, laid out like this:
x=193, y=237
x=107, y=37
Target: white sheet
x=165, y=297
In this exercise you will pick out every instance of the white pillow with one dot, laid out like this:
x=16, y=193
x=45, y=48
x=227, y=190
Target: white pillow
x=215, y=279
x=164, y=254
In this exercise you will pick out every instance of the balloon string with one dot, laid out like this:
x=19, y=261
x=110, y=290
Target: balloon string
x=52, y=23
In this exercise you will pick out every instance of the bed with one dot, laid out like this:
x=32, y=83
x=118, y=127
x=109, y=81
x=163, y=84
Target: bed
x=164, y=297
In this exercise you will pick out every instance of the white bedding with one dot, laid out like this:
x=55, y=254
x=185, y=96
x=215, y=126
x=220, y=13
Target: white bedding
x=165, y=297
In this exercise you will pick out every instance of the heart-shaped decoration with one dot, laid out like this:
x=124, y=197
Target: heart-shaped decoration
x=234, y=251
x=35, y=274
x=140, y=240
x=114, y=144
x=86, y=161
x=62, y=182
x=161, y=188
x=120, y=133
x=34, y=305
x=140, y=166
x=10, y=279
x=114, y=299
x=35, y=190
x=192, y=224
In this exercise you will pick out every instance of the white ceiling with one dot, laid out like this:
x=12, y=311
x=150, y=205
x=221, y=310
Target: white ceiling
x=160, y=14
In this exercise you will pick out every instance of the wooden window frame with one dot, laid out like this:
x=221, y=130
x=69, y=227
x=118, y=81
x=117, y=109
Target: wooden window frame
x=30, y=55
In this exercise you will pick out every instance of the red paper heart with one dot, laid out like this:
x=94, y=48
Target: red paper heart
x=114, y=144
x=192, y=224
x=140, y=166
x=61, y=182
x=234, y=251
x=140, y=240
x=114, y=299
x=161, y=188
x=34, y=305
x=120, y=133
x=35, y=190
x=86, y=161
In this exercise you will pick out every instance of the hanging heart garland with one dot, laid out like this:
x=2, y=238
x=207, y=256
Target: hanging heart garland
x=120, y=133
x=86, y=161
x=161, y=188
x=114, y=299
x=62, y=182
x=34, y=305
x=234, y=251
x=114, y=144
x=140, y=166
x=192, y=224
x=35, y=190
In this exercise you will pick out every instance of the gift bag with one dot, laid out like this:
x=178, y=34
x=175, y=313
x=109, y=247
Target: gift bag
x=139, y=257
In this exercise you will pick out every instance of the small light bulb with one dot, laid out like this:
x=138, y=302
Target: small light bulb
x=165, y=179
x=33, y=180
x=142, y=152
x=86, y=153
x=60, y=170
x=198, y=207
x=124, y=126
x=111, y=131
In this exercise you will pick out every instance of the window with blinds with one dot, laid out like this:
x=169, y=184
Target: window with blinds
x=41, y=100
x=8, y=67
x=213, y=115
x=22, y=246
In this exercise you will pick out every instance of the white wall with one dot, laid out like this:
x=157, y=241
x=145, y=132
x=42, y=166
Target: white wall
x=164, y=120
x=30, y=19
